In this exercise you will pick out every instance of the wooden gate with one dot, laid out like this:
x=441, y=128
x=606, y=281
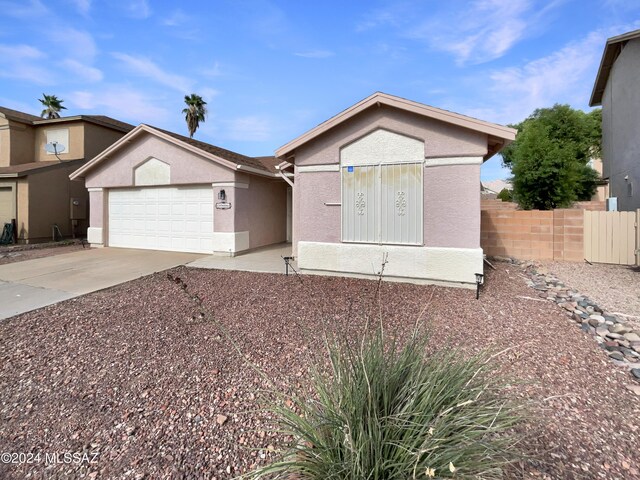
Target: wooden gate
x=612, y=237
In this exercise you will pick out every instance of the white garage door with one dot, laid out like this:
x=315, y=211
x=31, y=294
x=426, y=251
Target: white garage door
x=166, y=218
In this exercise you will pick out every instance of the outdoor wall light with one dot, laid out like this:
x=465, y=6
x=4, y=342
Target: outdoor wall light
x=479, y=279
x=222, y=195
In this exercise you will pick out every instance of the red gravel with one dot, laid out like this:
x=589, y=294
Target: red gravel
x=129, y=372
x=11, y=255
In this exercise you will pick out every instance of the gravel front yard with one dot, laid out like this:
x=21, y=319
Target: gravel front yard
x=616, y=287
x=133, y=374
x=13, y=254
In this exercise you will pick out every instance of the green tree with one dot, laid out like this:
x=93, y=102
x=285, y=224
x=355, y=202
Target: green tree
x=52, y=106
x=505, y=195
x=195, y=112
x=549, y=158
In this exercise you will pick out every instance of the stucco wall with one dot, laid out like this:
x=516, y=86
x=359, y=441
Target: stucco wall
x=261, y=210
x=73, y=151
x=441, y=139
x=258, y=205
x=313, y=220
x=49, y=203
x=5, y=136
x=98, y=138
x=17, y=144
x=621, y=127
x=186, y=167
x=451, y=192
x=452, y=206
x=22, y=207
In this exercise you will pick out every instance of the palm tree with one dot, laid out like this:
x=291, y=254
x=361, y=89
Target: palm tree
x=52, y=105
x=195, y=112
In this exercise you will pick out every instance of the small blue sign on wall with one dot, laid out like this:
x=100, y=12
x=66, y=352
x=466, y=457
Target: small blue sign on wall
x=350, y=169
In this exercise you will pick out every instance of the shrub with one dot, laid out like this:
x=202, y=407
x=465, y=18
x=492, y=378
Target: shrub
x=505, y=195
x=389, y=411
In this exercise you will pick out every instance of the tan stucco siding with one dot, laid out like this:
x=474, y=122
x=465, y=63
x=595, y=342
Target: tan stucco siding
x=5, y=138
x=16, y=144
x=49, y=202
x=98, y=138
x=73, y=151
x=440, y=139
x=7, y=202
x=22, y=208
x=186, y=167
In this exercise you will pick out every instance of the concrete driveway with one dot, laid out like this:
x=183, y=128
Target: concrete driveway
x=32, y=284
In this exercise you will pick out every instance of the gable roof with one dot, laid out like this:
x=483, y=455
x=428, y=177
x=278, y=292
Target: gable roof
x=232, y=160
x=17, y=116
x=612, y=50
x=500, y=133
x=101, y=120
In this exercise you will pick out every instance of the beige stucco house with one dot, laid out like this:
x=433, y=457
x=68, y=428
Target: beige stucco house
x=35, y=189
x=158, y=190
x=395, y=178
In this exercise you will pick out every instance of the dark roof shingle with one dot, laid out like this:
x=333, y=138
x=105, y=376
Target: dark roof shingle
x=225, y=154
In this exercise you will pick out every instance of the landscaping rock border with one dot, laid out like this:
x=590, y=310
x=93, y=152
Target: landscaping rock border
x=618, y=337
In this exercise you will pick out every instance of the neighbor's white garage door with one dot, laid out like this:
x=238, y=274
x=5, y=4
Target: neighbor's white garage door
x=166, y=218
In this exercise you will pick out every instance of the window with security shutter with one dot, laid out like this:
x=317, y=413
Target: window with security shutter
x=382, y=189
x=60, y=136
x=382, y=203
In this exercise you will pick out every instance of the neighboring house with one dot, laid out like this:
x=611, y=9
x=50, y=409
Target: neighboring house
x=389, y=176
x=158, y=190
x=491, y=189
x=617, y=90
x=35, y=189
x=602, y=185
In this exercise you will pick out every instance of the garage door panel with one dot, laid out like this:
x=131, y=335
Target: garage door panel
x=166, y=218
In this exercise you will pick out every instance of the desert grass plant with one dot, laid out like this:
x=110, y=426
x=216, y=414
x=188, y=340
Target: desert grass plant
x=390, y=408
x=387, y=410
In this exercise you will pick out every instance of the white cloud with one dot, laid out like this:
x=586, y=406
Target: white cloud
x=565, y=76
x=315, y=54
x=483, y=31
x=176, y=19
x=214, y=71
x=138, y=9
x=144, y=67
x=476, y=32
x=25, y=62
x=83, y=6
x=23, y=9
x=207, y=93
x=392, y=16
x=84, y=72
x=249, y=128
x=121, y=102
x=76, y=43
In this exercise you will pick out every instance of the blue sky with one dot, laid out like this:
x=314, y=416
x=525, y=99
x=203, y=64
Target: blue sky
x=270, y=70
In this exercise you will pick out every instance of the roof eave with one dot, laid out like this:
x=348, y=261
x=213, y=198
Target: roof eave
x=82, y=118
x=606, y=63
x=176, y=141
x=379, y=98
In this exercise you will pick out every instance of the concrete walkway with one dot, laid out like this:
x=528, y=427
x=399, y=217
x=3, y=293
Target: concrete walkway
x=32, y=284
x=266, y=259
